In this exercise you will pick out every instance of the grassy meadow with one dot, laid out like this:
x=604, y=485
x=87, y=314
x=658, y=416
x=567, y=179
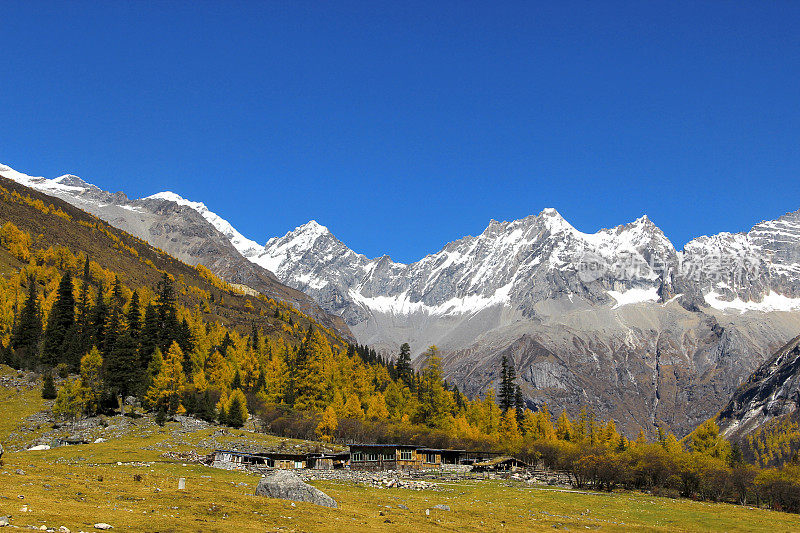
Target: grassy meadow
x=129, y=483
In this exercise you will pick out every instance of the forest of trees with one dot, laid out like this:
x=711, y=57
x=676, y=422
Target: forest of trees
x=67, y=316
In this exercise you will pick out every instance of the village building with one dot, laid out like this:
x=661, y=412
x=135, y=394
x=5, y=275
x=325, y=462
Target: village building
x=384, y=457
x=500, y=464
x=400, y=457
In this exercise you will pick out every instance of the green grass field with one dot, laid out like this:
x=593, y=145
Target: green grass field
x=78, y=486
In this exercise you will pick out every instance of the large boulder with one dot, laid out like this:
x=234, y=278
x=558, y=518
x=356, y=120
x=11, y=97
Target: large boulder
x=286, y=485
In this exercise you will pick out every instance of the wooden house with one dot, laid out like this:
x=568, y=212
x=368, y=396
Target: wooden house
x=384, y=457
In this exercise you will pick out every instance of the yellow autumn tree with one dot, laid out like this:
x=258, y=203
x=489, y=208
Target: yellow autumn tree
x=328, y=424
x=376, y=408
x=168, y=385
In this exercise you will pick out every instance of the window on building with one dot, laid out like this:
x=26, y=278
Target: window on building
x=372, y=456
x=430, y=457
x=388, y=455
x=405, y=455
x=357, y=457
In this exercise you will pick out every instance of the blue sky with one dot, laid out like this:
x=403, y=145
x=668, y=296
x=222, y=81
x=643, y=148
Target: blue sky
x=405, y=125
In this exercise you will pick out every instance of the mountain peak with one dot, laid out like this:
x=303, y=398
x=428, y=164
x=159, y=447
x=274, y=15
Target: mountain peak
x=312, y=228
x=169, y=196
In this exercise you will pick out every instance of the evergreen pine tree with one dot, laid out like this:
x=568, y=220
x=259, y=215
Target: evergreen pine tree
x=26, y=336
x=205, y=408
x=237, y=409
x=169, y=327
x=507, y=385
x=148, y=339
x=237, y=381
x=114, y=325
x=134, y=317
x=49, y=387
x=99, y=315
x=60, y=321
x=254, y=338
x=403, y=364
x=124, y=374
x=261, y=382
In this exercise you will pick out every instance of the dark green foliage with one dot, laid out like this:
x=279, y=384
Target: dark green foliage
x=226, y=342
x=59, y=323
x=134, y=316
x=236, y=416
x=519, y=404
x=254, y=338
x=237, y=381
x=261, y=382
x=123, y=373
x=169, y=327
x=161, y=416
x=507, y=391
x=205, y=407
x=113, y=326
x=49, y=387
x=149, y=335
x=27, y=334
x=403, y=364
x=98, y=319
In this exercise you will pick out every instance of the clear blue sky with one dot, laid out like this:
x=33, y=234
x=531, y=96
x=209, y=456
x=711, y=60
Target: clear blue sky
x=403, y=125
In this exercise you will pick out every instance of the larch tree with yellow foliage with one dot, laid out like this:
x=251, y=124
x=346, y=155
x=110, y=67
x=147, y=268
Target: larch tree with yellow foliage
x=165, y=393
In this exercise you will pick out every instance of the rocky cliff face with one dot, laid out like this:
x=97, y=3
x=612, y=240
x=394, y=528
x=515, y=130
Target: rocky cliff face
x=619, y=320
x=772, y=391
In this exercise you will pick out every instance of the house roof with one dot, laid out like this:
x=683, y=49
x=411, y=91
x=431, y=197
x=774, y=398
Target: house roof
x=411, y=446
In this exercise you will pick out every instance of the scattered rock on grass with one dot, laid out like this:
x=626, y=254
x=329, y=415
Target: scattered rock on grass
x=442, y=507
x=287, y=485
x=103, y=525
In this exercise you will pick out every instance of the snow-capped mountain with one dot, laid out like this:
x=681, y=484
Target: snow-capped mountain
x=618, y=319
x=186, y=230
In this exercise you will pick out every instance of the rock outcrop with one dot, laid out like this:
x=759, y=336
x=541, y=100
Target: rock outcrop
x=286, y=485
x=772, y=391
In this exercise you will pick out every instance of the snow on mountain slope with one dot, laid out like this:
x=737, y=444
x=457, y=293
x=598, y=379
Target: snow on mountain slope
x=617, y=319
x=187, y=230
x=239, y=241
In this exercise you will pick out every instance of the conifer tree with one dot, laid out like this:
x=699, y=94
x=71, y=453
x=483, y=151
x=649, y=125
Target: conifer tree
x=98, y=320
x=237, y=409
x=113, y=327
x=92, y=380
x=134, y=317
x=28, y=332
x=167, y=388
x=49, y=387
x=206, y=407
x=434, y=401
x=403, y=364
x=507, y=385
x=327, y=426
x=150, y=334
x=59, y=323
x=123, y=372
x=237, y=381
x=564, y=426
x=167, y=314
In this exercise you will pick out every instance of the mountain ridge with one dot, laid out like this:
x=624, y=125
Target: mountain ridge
x=617, y=319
